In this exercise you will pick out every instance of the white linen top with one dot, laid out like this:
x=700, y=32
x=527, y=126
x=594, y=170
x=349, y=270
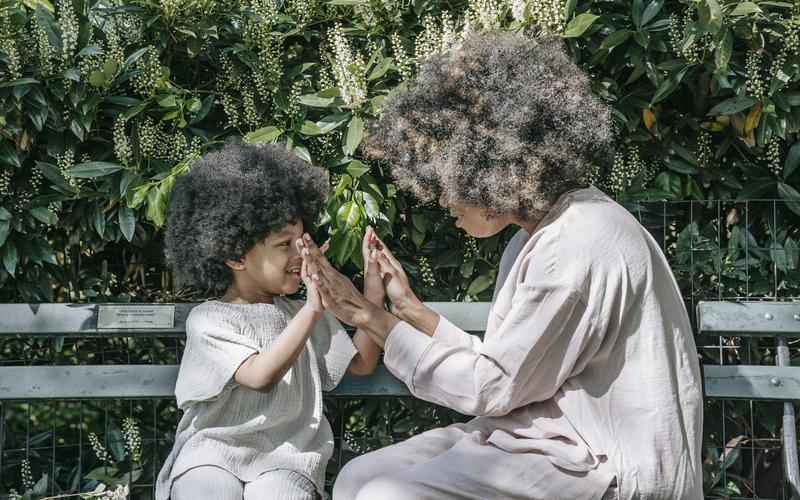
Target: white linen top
x=241, y=430
x=588, y=356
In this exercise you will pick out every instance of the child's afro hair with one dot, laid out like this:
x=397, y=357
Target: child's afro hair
x=229, y=200
x=503, y=122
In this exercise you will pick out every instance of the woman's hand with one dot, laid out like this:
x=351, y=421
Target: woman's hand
x=395, y=281
x=373, y=283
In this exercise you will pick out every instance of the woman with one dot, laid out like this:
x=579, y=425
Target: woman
x=586, y=384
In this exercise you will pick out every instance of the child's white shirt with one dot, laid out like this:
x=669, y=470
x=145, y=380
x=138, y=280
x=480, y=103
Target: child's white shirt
x=241, y=430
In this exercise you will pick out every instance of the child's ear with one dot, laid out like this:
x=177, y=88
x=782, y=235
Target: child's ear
x=236, y=265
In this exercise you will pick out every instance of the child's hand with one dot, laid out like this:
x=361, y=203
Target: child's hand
x=373, y=283
x=313, y=297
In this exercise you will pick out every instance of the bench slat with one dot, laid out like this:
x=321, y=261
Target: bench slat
x=80, y=320
x=752, y=382
x=749, y=318
x=144, y=382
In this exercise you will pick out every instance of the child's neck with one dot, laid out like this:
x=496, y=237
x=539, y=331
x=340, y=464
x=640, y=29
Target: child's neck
x=236, y=294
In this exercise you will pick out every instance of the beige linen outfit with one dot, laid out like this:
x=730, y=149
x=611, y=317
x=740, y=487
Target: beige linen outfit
x=587, y=373
x=242, y=431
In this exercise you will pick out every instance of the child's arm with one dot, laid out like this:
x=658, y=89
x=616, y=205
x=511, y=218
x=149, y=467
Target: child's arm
x=365, y=361
x=262, y=371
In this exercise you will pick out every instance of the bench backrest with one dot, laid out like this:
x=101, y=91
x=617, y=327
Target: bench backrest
x=751, y=319
x=150, y=320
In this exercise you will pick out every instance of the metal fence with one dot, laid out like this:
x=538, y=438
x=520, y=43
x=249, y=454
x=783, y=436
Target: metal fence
x=719, y=250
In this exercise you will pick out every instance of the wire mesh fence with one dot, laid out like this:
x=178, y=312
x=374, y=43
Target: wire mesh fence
x=718, y=250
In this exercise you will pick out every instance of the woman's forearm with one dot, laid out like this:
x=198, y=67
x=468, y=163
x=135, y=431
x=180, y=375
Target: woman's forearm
x=419, y=316
x=262, y=371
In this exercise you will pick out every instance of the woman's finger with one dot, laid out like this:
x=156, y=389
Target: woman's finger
x=386, y=266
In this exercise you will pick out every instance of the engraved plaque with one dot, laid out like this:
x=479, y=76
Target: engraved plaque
x=135, y=316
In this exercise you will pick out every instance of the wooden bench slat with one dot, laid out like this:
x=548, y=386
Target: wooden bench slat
x=80, y=320
x=749, y=318
x=752, y=382
x=145, y=382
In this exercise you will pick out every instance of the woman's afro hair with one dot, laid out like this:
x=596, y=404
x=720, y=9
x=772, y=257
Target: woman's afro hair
x=502, y=122
x=229, y=200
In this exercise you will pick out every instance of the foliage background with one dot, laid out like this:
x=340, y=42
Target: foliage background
x=104, y=102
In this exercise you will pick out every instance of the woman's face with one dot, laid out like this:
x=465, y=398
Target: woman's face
x=476, y=221
x=272, y=266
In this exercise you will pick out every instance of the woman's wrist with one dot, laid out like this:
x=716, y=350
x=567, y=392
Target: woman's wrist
x=377, y=322
x=418, y=315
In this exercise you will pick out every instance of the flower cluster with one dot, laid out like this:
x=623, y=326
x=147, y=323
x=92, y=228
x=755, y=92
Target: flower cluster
x=755, y=81
x=772, y=156
x=148, y=73
x=401, y=60
x=251, y=118
x=548, y=15
x=471, y=249
x=26, y=474
x=100, y=451
x=5, y=182
x=65, y=162
x=704, y=153
x=68, y=22
x=437, y=36
x=301, y=10
x=133, y=438
x=625, y=168
x=44, y=50
x=231, y=109
x=484, y=15
x=789, y=47
x=122, y=148
x=8, y=46
x=692, y=52
x=426, y=272
x=349, y=68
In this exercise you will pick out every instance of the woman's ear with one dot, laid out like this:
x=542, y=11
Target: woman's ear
x=236, y=265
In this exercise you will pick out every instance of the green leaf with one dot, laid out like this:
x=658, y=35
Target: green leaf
x=710, y=14
x=733, y=105
x=97, y=78
x=348, y=2
x=10, y=257
x=355, y=132
x=371, y=206
x=569, y=8
x=746, y=8
x=93, y=169
x=790, y=196
x=349, y=214
x=5, y=229
x=332, y=122
x=43, y=214
x=380, y=69
x=127, y=221
x=579, y=25
x=342, y=246
x=792, y=160
x=651, y=11
x=4, y=214
x=615, y=38
x=168, y=102
x=310, y=128
x=724, y=51
x=315, y=101
x=263, y=135
x=356, y=169
x=20, y=81
x=480, y=284
x=135, y=56
x=100, y=221
x=302, y=153
x=668, y=86
x=207, y=103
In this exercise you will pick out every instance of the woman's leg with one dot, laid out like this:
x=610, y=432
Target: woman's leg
x=207, y=482
x=478, y=471
x=280, y=484
x=395, y=458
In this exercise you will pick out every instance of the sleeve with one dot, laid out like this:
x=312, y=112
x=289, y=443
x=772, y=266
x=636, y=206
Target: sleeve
x=543, y=340
x=449, y=333
x=333, y=349
x=215, y=348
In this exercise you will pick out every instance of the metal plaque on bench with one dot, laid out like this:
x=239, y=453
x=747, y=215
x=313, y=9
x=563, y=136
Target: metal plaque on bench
x=137, y=316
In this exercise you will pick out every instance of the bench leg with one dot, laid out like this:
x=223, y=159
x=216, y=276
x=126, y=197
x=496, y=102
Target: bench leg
x=790, y=458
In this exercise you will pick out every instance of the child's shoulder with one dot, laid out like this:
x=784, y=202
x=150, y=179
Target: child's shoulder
x=213, y=312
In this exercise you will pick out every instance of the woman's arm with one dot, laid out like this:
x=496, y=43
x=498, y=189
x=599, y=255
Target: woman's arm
x=262, y=371
x=365, y=361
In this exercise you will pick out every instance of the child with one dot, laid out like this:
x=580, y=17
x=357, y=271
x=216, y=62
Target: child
x=255, y=364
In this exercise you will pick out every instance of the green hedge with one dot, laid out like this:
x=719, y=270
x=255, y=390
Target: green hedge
x=103, y=104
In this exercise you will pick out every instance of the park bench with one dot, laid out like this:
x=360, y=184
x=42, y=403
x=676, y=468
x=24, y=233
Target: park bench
x=756, y=382
x=121, y=381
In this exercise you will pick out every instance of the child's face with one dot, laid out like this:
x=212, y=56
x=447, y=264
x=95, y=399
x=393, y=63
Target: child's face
x=272, y=266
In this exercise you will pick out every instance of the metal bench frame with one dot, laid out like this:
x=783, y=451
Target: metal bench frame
x=761, y=383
